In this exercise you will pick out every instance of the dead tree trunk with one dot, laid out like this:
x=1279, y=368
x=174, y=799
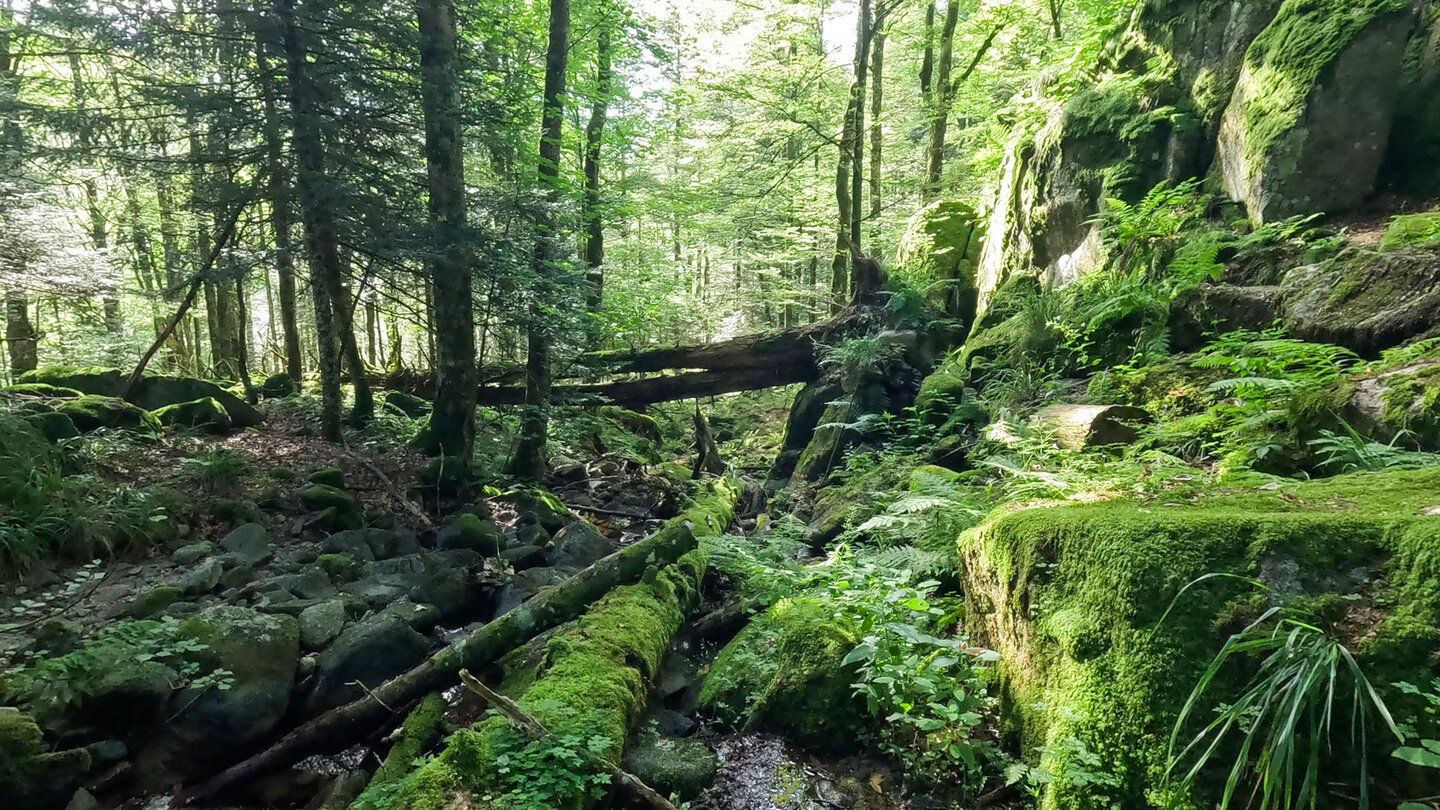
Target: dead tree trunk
x=594, y=139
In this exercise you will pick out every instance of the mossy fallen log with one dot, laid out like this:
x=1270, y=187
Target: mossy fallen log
x=710, y=513
x=587, y=694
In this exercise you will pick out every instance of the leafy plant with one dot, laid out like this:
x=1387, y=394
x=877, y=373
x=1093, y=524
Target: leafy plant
x=1285, y=716
x=219, y=470
x=1349, y=452
x=1070, y=762
x=547, y=773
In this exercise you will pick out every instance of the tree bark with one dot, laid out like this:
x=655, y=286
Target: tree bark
x=863, y=33
x=877, y=92
x=594, y=139
x=839, y=277
x=20, y=337
x=528, y=462
x=338, y=728
x=279, y=192
x=452, y=422
x=927, y=62
x=944, y=99
x=321, y=237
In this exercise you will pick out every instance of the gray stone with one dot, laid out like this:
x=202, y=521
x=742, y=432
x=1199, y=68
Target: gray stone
x=192, y=553
x=523, y=557
x=468, y=531
x=321, y=623
x=370, y=652
x=249, y=542
x=579, y=544
x=681, y=767
x=203, y=578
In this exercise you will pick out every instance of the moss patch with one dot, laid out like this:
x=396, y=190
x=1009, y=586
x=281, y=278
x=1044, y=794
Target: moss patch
x=1071, y=596
x=1412, y=231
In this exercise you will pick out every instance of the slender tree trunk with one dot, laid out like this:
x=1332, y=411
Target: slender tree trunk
x=281, y=220
x=528, y=461
x=321, y=239
x=927, y=62
x=1057, y=7
x=372, y=331
x=452, y=423
x=363, y=410
x=594, y=139
x=863, y=32
x=944, y=98
x=21, y=338
x=877, y=91
x=839, y=277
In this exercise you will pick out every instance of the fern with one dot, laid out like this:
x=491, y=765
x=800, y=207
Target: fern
x=924, y=563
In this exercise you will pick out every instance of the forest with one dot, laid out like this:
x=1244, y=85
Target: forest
x=738, y=405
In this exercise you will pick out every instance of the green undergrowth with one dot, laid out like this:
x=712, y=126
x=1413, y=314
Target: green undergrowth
x=1071, y=596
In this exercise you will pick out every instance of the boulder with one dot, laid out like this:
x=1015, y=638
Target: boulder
x=1404, y=400
x=30, y=778
x=98, y=381
x=279, y=386
x=249, y=543
x=523, y=557
x=154, y=601
x=938, y=253
x=206, y=413
x=192, y=553
x=407, y=404
x=805, y=415
x=578, y=545
x=1363, y=300
x=424, y=578
x=159, y=391
x=208, y=725
x=370, y=652
x=681, y=768
x=1076, y=427
x=370, y=544
x=203, y=578
x=1412, y=231
x=468, y=531
x=329, y=476
x=1307, y=124
x=55, y=426
x=93, y=412
x=44, y=390
x=321, y=623
x=1412, y=160
x=339, y=508
x=1219, y=308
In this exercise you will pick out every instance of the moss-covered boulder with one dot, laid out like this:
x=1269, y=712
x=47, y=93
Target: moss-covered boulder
x=806, y=413
x=407, y=404
x=29, y=776
x=93, y=412
x=1412, y=161
x=938, y=253
x=105, y=382
x=1307, y=125
x=1400, y=404
x=1364, y=300
x=1072, y=597
x=1417, y=231
x=279, y=386
x=469, y=531
x=784, y=672
x=40, y=390
x=673, y=767
x=54, y=425
x=320, y=497
x=159, y=391
x=206, y=414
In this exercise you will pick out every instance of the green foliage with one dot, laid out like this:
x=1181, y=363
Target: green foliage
x=218, y=471
x=50, y=685
x=1417, y=231
x=1349, y=452
x=1284, y=717
x=548, y=773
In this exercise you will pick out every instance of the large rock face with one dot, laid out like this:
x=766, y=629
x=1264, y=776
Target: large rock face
x=1311, y=113
x=938, y=256
x=1412, y=162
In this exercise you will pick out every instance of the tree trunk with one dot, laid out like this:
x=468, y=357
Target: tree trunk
x=594, y=139
x=20, y=336
x=281, y=220
x=452, y=422
x=321, y=239
x=839, y=277
x=363, y=411
x=863, y=31
x=528, y=462
x=944, y=98
x=927, y=62
x=877, y=91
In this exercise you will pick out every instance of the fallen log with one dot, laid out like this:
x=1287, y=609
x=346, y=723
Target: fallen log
x=336, y=729
x=535, y=730
x=636, y=393
x=790, y=347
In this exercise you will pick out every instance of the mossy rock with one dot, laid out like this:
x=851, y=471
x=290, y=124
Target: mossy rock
x=329, y=476
x=104, y=382
x=29, y=777
x=1417, y=231
x=407, y=404
x=317, y=497
x=279, y=386
x=446, y=475
x=938, y=254
x=469, y=531
x=1307, y=125
x=1072, y=597
x=673, y=767
x=159, y=391
x=154, y=601
x=56, y=426
x=206, y=413
x=41, y=390
x=93, y=412
x=784, y=671
x=1364, y=300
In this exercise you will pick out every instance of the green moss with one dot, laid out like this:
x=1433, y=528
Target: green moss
x=1290, y=57
x=938, y=254
x=590, y=687
x=87, y=379
x=340, y=567
x=55, y=425
x=41, y=390
x=206, y=412
x=1419, y=231
x=1071, y=596
x=783, y=671
x=92, y=412
x=419, y=731
x=328, y=476
x=19, y=745
x=154, y=601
